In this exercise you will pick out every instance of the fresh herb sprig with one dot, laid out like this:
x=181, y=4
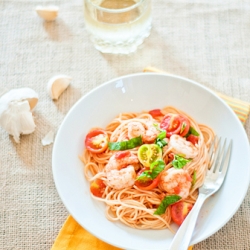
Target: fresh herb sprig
x=168, y=200
x=192, y=131
x=155, y=168
x=179, y=161
x=161, y=136
x=124, y=145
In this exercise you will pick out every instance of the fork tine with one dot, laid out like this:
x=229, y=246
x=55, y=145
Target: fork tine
x=221, y=155
x=219, y=159
x=211, y=149
x=217, y=150
x=223, y=162
x=227, y=158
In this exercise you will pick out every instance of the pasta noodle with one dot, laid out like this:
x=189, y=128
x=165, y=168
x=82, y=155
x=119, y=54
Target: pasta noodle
x=130, y=204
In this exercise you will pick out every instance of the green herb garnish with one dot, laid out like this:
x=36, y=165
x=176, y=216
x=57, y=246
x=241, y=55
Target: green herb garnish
x=155, y=168
x=194, y=178
x=183, y=126
x=179, y=162
x=168, y=200
x=160, y=138
x=192, y=131
x=161, y=143
x=124, y=145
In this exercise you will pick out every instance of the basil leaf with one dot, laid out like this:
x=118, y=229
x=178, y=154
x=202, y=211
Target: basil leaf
x=192, y=131
x=124, y=145
x=144, y=176
x=183, y=126
x=160, y=143
x=179, y=162
x=194, y=178
x=160, y=138
x=168, y=200
x=162, y=135
x=155, y=168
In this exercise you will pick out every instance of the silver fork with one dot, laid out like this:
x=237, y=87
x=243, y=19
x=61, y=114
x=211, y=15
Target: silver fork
x=220, y=157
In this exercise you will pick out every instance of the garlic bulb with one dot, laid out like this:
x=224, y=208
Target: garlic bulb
x=20, y=94
x=57, y=85
x=48, y=13
x=15, y=112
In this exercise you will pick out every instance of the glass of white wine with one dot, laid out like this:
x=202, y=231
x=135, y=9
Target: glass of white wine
x=117, y=26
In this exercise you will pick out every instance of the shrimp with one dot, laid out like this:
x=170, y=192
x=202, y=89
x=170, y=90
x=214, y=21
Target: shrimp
x=176, y=181
x=135, y=129
x=151, y=133
x=179, y=145
x=118, y=162
x=120, y=170
x=119, y=179
x=148, y=134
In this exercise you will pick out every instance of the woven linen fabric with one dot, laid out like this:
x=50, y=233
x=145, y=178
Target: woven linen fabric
x=203, y=40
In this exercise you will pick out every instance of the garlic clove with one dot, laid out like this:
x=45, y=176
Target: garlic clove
x=32, y=102
x=57, y=85
x=19, y=94
x=48, y=13
x=17, y=119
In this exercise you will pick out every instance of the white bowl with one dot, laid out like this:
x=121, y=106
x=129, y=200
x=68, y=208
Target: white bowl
x=135, y=93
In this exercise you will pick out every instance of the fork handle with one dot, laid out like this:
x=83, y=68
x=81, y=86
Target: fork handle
x=184, y=234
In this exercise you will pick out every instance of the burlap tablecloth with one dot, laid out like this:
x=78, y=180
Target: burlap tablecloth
x=205, y=40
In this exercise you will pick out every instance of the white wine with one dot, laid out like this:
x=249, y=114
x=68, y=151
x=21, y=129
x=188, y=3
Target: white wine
x=122, y=28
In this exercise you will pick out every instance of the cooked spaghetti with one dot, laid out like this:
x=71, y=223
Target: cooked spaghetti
x=146, y=166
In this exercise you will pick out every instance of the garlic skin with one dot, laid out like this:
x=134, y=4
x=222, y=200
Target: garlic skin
x=18, y=119
x=48, y=139
x=19, y=94
x=57, y=85
x=15, y=111
x=48, y=13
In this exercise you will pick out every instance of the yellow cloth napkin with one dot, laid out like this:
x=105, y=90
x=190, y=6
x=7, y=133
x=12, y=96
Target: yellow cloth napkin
x=73, y=237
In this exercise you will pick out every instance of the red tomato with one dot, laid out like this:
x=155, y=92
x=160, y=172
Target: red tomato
x=175, y=124
x=148, y=184
x=96, y=141
x=193, y=138
x=121, y=154
x=179, y=211
x=97, y=187
x=155, y=113
x=184, y=122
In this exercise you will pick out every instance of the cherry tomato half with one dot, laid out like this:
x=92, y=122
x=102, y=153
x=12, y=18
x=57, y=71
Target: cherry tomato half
x=97, y=187
x=175, y=124
x=149, y=153
x=193, y=138
x=155, y=113
x=179, y=211
x=96, y=141
x=147, y=184
x=185, y=125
